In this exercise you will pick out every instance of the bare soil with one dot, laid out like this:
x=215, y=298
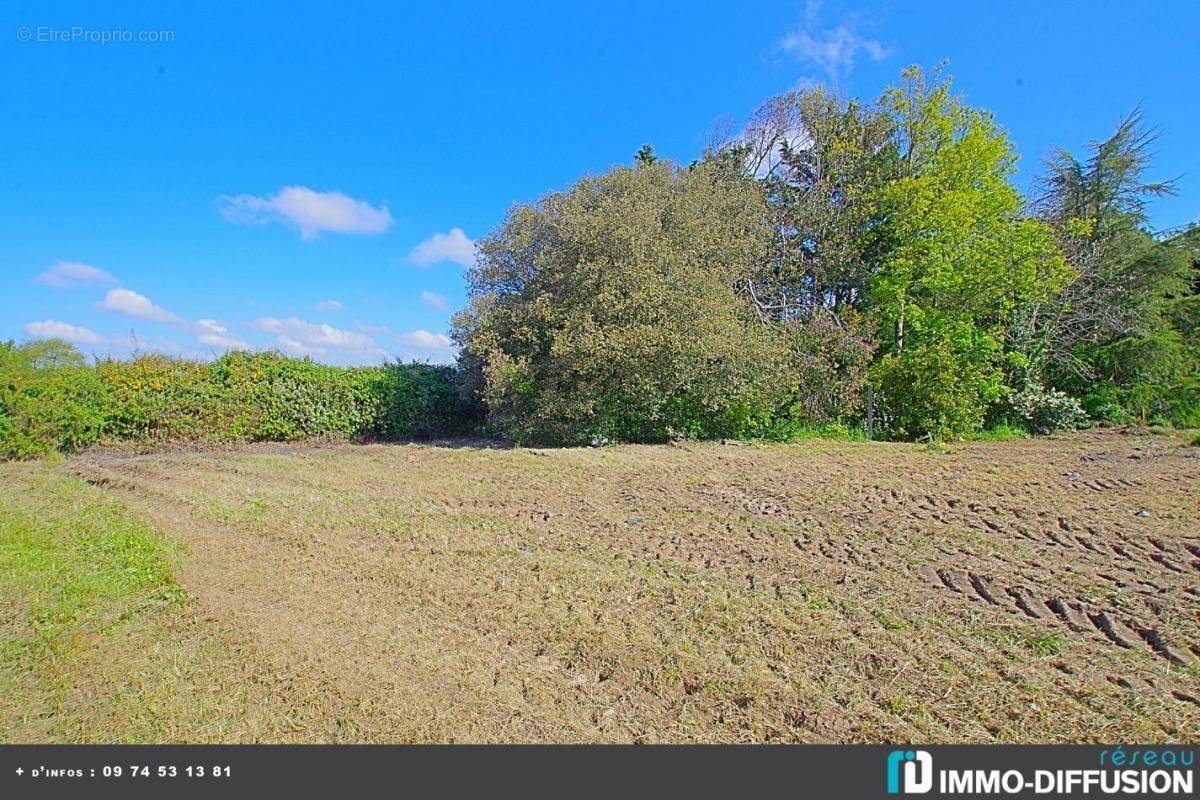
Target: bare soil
x=1028, y=591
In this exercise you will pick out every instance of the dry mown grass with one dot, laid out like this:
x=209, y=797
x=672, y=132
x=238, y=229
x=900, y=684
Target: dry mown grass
x=1042, y=590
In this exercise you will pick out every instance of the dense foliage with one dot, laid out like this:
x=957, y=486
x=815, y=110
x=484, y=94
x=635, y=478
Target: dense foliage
x=960, y=261
x=609, y=310
x=837, y=261
x=1123, y=334
x=831, y=248
x=50, y=399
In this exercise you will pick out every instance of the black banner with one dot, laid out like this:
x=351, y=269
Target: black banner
x=134, y=771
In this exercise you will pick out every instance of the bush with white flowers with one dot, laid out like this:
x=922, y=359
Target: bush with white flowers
x=1045, y=410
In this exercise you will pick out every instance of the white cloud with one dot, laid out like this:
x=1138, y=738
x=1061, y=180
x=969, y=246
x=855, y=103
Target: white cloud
x=434, y=299
x=168, y=347
x=375, y=330
x=422, y=345
x=296, y=348
x=834, y=49
x=453, y=246
x=307, y=338
x=53, y=329
x=130, y=303
x=328, y=305
x=310, y=211
x=69, y=274
x=424, y=340
x=215, y=334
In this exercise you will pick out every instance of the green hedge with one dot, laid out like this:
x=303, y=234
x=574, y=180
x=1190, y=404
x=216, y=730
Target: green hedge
x=51, y=400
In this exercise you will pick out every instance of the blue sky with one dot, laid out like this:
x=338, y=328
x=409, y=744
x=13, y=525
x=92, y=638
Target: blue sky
x=309, y=177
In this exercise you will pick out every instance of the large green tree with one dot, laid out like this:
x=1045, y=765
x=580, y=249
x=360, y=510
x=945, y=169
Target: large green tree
x=610, y=310
x=960, y=259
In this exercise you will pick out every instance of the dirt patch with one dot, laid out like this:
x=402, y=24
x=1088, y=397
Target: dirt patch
x=1040, y=590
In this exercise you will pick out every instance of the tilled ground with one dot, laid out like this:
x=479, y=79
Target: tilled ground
x=1039, y=590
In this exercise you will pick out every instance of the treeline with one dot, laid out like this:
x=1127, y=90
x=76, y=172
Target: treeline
x=835, y=259
x=52, y=399
x=837, y=249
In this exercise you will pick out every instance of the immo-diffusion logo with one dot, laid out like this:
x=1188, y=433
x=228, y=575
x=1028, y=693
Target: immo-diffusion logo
x=909, y=771
x=1139, y=771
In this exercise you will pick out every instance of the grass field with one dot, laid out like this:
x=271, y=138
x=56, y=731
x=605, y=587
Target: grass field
x=1013, y=591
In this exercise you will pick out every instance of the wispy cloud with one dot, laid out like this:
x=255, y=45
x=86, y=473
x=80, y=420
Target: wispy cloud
x=216, y=334
x=132, y=304
x=372, y=329
x=298, y=348
x=69, y=274
x=424, y=340
x=168, y=346
x=209, y=332
x=434, y=300
x=301, y=337
x=453, y=246
x=423, y=345
x=310, y=211
x=53, y=329
x=834, y=50
x=328, y=305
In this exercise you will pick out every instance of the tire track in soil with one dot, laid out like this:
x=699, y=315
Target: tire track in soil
x=1076, y=614
x=1153, y=571
x=1034, y=539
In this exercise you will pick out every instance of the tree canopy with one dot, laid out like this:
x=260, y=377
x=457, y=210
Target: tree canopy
x=609, y=310
x=834, y=246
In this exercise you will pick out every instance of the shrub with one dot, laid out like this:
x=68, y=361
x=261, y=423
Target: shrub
x=272, y=397
x=61, y=409
x=420, y=400
x=154, y=398
x=825, y=369
x=1175, y=405
x=796, y=430
x=1045, y=410
x=50, y=400
x=1003, y=431
x=48, y=405
x=939, y=389
x=1103, y=404
x=1146, y=402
